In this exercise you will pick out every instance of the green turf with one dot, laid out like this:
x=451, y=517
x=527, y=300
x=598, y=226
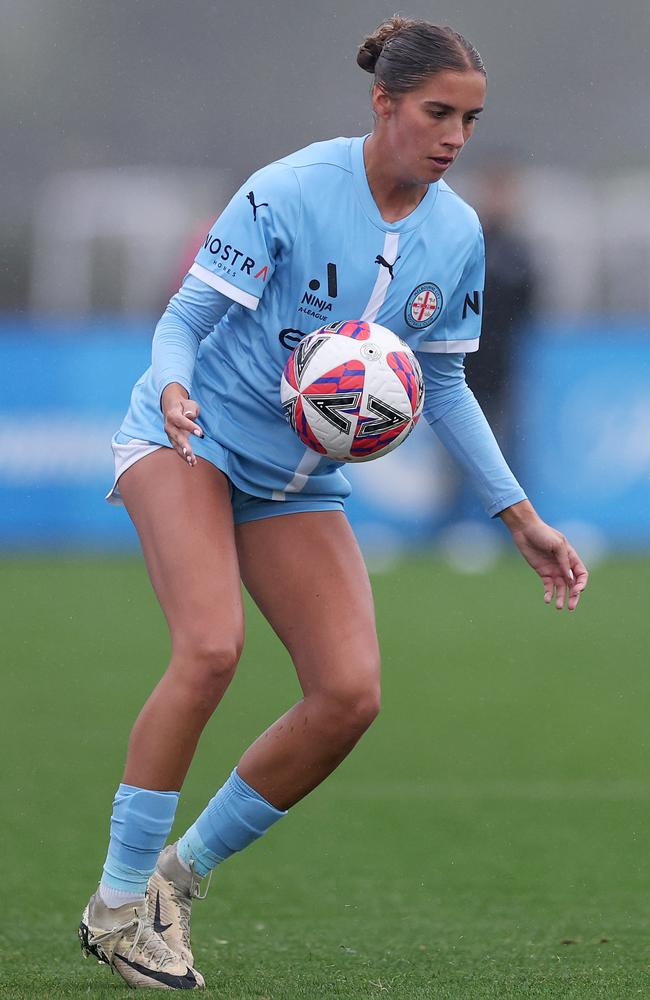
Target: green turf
x=488, y=839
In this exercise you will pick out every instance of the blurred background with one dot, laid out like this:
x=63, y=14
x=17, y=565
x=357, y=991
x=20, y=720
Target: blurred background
x=127, y=126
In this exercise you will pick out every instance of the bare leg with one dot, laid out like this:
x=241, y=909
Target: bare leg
x=184, y=519
x=307, y=576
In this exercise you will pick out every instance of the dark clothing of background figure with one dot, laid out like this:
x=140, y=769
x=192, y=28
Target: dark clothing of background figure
x=507, y=311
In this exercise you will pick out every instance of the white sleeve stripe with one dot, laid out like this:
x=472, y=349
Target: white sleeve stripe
x=221, y=285
x=447, y=346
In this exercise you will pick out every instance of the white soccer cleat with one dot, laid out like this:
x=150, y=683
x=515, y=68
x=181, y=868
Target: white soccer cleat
x=125, y=939
x=170, y=893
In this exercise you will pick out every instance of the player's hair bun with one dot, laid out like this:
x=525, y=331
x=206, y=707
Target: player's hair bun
x=403, y=52
x=370, y=50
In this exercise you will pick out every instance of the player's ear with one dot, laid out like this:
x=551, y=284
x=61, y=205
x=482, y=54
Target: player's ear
x=382, y=103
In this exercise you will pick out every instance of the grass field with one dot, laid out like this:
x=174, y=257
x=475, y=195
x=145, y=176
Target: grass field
x=490, y=837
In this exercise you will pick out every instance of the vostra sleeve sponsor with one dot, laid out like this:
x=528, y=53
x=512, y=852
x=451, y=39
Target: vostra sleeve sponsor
x=257, y=227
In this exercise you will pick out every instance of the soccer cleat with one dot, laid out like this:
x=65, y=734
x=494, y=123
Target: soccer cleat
x=125, y=939
x=170, y=893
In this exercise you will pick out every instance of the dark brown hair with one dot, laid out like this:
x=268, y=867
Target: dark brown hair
x=403, y=52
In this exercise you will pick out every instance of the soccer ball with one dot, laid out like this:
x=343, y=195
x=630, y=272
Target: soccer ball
x=352, y=391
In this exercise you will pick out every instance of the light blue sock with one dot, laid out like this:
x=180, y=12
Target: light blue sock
x=233, y=819
x=140, y=825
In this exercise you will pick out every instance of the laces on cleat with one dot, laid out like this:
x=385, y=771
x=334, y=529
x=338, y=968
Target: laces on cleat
x=195, y=888
x=136, y=951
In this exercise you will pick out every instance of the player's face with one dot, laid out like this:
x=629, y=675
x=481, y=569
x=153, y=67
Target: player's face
x=424, y=130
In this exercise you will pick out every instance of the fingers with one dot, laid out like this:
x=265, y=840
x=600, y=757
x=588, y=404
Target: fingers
x=567, y=584
x=580, y=578
x=560, y=576
x=191, y=411
x=189, y=426
x=554, y=587
x=564, y=579
x=560, y=592
x=549, y=588
x=180, y=424
x=576, y=579
x=189, y=456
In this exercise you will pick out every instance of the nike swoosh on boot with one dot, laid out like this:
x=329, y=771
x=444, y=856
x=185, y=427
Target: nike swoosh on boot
x=186, y=982
x=158, y=926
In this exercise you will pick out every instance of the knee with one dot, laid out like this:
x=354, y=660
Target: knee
x=363, y=708
x=207, y=660
x=349, y=711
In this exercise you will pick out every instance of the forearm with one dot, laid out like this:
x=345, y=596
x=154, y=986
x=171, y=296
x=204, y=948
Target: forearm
x=173, y=353
x=519, y=515
x=190, y=316
x=466, y=434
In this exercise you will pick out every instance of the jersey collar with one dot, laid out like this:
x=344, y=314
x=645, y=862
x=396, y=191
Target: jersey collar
x=369, y=204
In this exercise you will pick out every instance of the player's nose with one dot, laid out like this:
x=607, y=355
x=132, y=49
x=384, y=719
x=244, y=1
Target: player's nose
x=455, y=137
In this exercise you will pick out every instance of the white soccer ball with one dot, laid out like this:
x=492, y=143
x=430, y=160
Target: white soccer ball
x=352, y=391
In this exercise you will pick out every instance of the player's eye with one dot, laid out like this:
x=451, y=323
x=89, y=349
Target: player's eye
x=472, y=118
x=437, y=114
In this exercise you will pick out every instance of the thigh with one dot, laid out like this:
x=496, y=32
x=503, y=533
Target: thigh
x=306, y=574
x=183, y=517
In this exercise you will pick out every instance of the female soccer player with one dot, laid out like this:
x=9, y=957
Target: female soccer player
x=220, y=489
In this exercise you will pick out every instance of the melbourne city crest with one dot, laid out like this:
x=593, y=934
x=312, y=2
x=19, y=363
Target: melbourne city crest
x=423, y=305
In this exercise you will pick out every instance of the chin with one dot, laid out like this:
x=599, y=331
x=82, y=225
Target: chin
x=431, y=171
x=434, y=174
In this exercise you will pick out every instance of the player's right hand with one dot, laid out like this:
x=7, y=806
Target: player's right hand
x=180, y=415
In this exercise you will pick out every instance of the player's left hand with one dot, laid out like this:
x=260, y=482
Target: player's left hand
x=550, y=554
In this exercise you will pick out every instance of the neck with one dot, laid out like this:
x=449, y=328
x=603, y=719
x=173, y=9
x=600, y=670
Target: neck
x=395, y=196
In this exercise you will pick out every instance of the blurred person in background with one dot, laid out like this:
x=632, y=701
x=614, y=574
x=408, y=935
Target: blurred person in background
x=221, y=490
x=509, y=298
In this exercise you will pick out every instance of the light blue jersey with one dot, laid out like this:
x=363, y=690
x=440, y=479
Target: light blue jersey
x=302, y=244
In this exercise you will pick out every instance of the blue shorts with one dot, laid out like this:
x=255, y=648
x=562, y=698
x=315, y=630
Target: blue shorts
x=246, y=507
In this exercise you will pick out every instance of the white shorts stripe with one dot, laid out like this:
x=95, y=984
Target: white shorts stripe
x=305, y=467
x=125, y=456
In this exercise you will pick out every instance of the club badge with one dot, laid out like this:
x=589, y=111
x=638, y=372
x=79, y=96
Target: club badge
x=423, y=305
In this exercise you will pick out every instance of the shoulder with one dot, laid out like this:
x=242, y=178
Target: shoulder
x=459, y=214
x=277, y=177
x=320, y=166
x=289, y=177
x=330, y=153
